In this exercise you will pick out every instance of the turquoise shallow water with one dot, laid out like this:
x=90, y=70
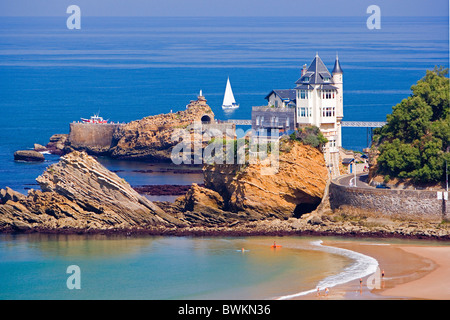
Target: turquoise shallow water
x=34, y=267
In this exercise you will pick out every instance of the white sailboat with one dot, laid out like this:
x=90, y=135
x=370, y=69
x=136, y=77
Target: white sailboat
x=228, y=99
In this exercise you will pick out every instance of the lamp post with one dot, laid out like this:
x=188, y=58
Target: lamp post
x=446, y=176
x=353, y=168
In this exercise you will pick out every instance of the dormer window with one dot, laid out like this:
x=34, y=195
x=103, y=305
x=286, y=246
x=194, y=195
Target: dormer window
x=326, y=79
x=305, y=79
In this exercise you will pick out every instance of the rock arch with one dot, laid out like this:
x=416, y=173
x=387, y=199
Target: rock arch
x=206, y=119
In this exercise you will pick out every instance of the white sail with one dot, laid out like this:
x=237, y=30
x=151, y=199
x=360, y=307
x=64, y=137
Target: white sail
x=228, y=99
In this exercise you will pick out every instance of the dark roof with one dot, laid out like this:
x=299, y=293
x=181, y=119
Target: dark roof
x=347, y=160
x=327, y=87
x=285, y=94
x=304, y=86
x=337, y=67
x=317, y=72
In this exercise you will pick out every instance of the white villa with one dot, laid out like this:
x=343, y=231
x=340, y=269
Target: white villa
x=316, y=100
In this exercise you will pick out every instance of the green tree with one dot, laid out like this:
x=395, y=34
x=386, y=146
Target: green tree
x=415, y=142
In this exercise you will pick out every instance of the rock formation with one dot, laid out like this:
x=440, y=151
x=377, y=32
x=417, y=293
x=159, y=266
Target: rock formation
x=296, y=187
x=78, y=193
x=151, y=137
x=204, y=207
x=28, y=155
x=57, y=144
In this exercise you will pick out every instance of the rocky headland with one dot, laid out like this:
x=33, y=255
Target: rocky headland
x=79, y=195
x=294, y=187
x=148, y=139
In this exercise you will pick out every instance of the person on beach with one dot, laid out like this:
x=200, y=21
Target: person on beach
x=326, y=291
x=360, y=285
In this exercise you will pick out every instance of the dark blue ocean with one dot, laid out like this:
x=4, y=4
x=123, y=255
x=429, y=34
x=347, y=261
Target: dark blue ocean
x=129, y=68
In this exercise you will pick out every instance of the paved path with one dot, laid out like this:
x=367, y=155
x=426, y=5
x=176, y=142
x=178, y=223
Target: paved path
x=361, y=180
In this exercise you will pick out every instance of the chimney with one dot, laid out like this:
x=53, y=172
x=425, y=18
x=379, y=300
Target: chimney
x=304, y=70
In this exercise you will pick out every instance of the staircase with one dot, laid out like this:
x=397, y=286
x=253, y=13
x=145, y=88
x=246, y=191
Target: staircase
x=332, y=162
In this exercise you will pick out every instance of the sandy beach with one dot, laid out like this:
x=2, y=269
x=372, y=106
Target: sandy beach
x=411, y=271
x=434, y=285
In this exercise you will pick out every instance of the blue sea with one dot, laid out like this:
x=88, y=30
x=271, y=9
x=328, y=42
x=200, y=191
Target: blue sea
x=129, y=68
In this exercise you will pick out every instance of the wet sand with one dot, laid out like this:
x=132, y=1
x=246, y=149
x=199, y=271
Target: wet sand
x=410, y=272
x=436, y=284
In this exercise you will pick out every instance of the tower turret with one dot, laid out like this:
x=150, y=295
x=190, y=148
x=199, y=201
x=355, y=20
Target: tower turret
x=339, y=84
x=337, y=66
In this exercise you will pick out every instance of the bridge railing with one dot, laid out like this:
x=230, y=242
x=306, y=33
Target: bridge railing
x=363, y=124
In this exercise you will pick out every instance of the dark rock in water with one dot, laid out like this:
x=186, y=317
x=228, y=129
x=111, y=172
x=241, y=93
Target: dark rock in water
x=39, y=148
x=28, y=155
x=163, y=190
x=57, y=144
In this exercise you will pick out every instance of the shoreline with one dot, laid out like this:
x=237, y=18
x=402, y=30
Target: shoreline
x=227, y=231
x=412, y=272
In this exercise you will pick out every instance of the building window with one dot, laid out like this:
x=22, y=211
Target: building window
x=276, y=103
x=303, y=112
x=328, y=112
x=305, y=79
x=303, y=94
x=332, y=144
x=257, y=120
x=327, y=94
x=287, y=122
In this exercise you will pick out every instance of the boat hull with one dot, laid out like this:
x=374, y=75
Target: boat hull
x=233, y=106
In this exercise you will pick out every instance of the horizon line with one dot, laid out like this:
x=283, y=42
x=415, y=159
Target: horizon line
x=223, y=16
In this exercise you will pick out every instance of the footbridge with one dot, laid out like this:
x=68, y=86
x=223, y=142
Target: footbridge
x=354, y=124
x=363, y=124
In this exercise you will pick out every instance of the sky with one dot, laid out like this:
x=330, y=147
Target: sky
x=208, y=8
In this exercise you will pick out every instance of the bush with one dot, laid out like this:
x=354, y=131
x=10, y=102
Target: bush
x=310, y=135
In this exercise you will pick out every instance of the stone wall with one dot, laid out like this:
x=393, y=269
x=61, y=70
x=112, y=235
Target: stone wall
x=92, y=137
x=409, y=204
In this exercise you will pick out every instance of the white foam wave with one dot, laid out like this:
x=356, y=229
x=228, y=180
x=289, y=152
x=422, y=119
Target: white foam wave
x=361, y=267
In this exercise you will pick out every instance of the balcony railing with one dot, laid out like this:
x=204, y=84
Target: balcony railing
x=273, y=109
